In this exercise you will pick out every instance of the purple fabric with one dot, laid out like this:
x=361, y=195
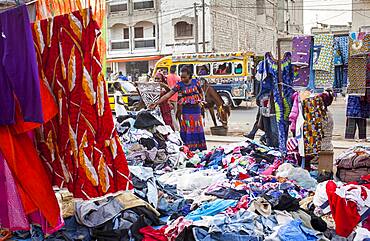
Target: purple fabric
x=12, y=215
x=301, y=50
x=18, y=68
x=301, y=59
x=301, y=76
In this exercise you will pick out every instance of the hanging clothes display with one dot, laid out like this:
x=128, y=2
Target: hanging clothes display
x=80, y=145
x=301, y=59
x=18, y=70
x=283, y=102
x=34, y=105
x=314, y=115
x=340, y=62
x=323, y=63
x=359, y=44
x=357, y=75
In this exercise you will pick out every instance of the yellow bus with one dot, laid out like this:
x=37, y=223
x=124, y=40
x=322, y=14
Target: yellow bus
x=229, y=73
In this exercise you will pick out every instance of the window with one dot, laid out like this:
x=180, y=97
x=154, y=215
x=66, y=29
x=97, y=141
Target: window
x=222, y=68
x=203, y=69
x=139, y=32
x=238, y=68
x=183, y=29
x=118, y=5
x=143, y=4
x=189, y=66
x=261, y=7
x=126, y=34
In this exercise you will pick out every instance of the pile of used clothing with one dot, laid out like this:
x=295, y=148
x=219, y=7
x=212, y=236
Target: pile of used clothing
x=148, y=142
x=353, y=163
x=244, y=191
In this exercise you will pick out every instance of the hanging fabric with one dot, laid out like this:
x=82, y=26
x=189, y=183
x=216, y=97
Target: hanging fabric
x=283, y=101
x=301, y=59
x=33, y=106
x=51, y=8
x=314, y=115
x=359, y=43
x=80, y=145
x=323, y=64
x=19, y=78
x=357, y=75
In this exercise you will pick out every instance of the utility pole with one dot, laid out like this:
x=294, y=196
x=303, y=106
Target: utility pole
x=196, y=28
x=204, y=26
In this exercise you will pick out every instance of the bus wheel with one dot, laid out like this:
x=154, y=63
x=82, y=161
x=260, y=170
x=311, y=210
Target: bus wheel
x=226, y=99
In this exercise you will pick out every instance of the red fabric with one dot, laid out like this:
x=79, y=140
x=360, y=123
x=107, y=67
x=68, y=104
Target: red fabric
x=344, y=212
x=80, y=145
x=29, y=173
x=49, y=109
x=172, y=80
x=166, y=113
x=151, y=234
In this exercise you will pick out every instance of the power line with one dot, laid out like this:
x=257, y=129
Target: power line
x=290, y=8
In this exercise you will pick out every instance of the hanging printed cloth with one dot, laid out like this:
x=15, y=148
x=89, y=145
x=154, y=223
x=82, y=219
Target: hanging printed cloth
x=359, y=44
x=80, y=146
x=283, y=101
x=323, y=62
x=314, y=115
x=51, y=8
x=357, y=67
x=301, y=59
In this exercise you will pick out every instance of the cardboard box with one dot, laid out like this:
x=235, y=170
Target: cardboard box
x=326, y=161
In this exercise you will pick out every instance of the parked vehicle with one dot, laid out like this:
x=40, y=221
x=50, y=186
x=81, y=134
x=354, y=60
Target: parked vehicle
x=130, y=97
x=231, y=74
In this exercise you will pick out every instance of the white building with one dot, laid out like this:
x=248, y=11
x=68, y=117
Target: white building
x=132, y=30
x=360, y=15
x=142, y=31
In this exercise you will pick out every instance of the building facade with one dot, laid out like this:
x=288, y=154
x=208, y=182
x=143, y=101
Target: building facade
x=142, y=31
x=361, y=15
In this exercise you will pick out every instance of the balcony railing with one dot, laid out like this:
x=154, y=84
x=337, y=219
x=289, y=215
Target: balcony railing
x=120, y=44
x=145, y=43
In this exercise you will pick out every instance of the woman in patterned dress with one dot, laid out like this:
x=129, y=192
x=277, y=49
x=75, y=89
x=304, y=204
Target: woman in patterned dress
x=190, y=99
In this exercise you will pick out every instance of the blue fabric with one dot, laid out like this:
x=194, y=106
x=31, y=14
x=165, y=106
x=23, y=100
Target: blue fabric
x=338, y=78
x=191, y=128
x=311, y=83
x=203, y=235
x=211, y=209
x=283, y=102
x=294, y=231
x=357, y=107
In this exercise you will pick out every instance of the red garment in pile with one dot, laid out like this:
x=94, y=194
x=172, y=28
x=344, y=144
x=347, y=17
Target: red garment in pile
x=344, y=212
x=151, y=234
x=80, y=145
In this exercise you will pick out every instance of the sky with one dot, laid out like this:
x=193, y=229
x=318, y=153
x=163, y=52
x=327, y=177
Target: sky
x=326, y=11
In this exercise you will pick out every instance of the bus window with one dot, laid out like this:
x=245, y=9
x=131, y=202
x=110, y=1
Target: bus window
x=238, y=68
x=189, y=66
x=203, y=69
x=222, y=68
x=173, y=66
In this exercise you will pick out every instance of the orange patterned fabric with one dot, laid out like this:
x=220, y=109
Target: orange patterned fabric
x=80, y=146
